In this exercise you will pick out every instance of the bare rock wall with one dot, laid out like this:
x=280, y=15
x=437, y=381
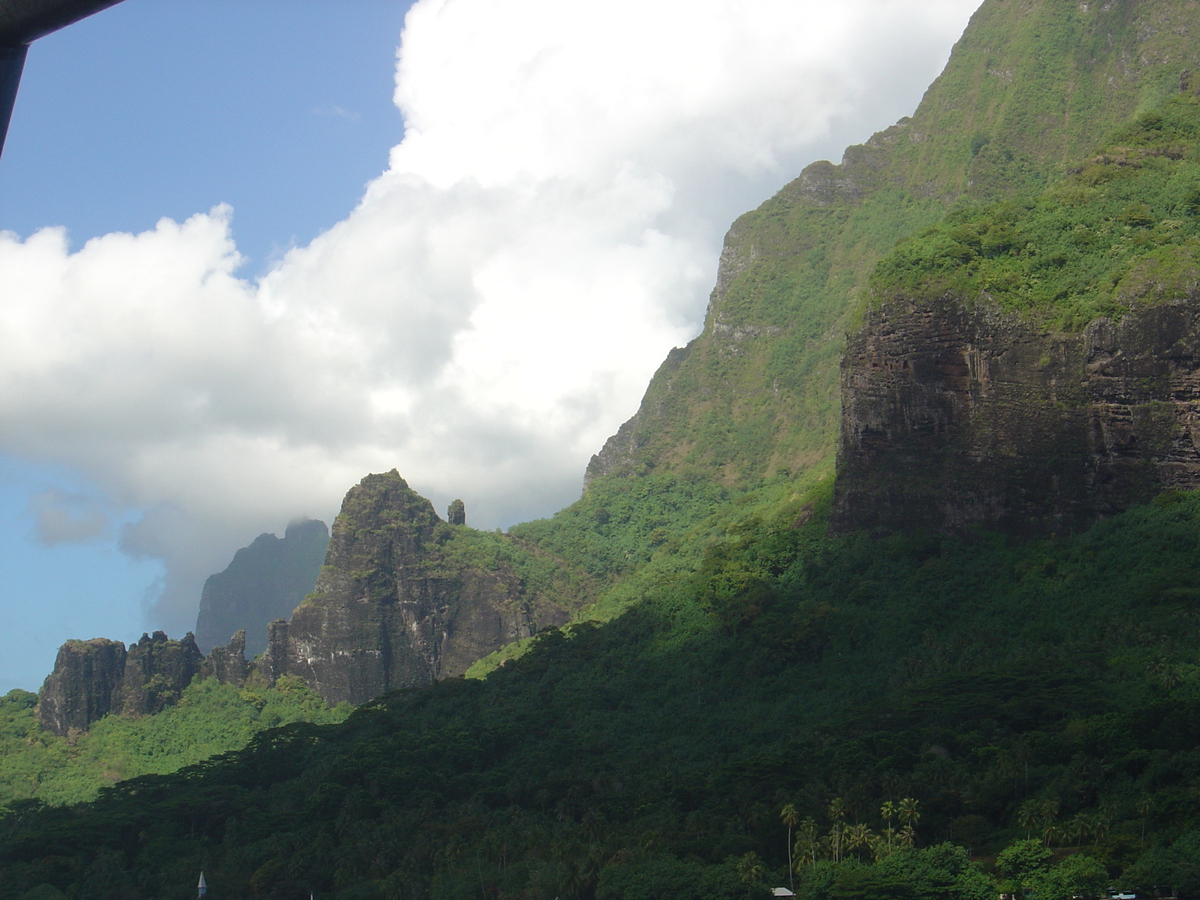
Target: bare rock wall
x=958, y=415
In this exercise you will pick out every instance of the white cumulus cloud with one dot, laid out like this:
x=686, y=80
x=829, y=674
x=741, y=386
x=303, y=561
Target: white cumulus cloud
x=493, y=308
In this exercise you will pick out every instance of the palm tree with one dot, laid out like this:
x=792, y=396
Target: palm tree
x=886, y=812
x=1144, y=807
x=837, y=814
x=879, y=850
x=1027, y=817
x=1074, y=828
x=807, y=843
x=750, y=870
x=1047, y=813
x=909, y=812
x=789, y=817
x=858, y=836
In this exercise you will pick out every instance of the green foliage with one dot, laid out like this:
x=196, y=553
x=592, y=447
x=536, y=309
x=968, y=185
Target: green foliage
x=1029, y=91
x=1175, y=866
x=968, y=689
x=1075, y=876
x=210, y=719
x=620, y=523
x=1122, y=230
x=539, y=575
x=932, y=873
x=949, y=688
x=680, y=879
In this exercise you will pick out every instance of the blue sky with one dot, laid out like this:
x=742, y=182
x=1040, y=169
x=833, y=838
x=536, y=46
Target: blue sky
x=164, y=108
x=248, y=255
x=280, y=108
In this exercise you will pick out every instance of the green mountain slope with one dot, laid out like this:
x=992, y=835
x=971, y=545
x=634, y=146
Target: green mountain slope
x=1032, y=86
x=1122, y=229
x=914, y=717
x=1049, y=688
x=210, y=718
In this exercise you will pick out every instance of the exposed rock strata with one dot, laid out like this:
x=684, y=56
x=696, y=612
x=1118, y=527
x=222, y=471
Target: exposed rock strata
x=94, y=678
x=228, y=663
x=394, y=606
x=157, y=669
x=956, y=416
x=996, y=123
x=80, y=689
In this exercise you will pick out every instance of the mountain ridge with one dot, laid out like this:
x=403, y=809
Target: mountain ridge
x=771, y=697
x=1030, y=88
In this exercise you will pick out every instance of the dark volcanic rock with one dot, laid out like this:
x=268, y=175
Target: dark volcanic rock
x=273, y=661
x=264, y=582
x=229, y=663
x=94, y=678
x=403, y=599
x=394, y=606
x=79, y=690
x=157, y=669
x=956, y=416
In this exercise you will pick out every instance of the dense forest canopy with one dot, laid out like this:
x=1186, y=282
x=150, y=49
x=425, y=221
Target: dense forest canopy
x=747, y=699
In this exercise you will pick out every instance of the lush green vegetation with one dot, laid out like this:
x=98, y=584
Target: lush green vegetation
x=619, y=523
x=985, y=692
x=1030, y=90
x=752, y=701
x=210, y=719
x=1123, y=229
x=538, y=574
x=638, y=534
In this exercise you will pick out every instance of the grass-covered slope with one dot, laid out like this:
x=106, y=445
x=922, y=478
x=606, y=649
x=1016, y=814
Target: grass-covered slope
x=1047, y=690
x=209, y=719
x=1031, y=88
x=1123, y=228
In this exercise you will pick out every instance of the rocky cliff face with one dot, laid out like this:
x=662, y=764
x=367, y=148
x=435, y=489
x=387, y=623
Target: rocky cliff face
x=80, y=689
x=94, y=678
x=228, y=663
x=757, y=390
x=399, y=601
x=957, y=415
x=157, y=670
x=264, y=582
x=403, y=599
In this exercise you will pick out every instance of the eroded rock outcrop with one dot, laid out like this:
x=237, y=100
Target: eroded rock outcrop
x=402, y=600
x=94, y=678
x=228, y=663
x=399, y=601
x=957, y=415
x=157, y=669
x=80, y=689
x=756, y=392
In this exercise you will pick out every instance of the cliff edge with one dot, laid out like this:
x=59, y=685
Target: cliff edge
x=404, y=599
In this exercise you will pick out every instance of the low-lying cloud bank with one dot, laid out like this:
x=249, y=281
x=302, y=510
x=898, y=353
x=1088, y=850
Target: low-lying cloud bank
x=491, y=310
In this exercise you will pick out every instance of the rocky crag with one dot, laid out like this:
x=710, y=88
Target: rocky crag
x=1032, y=86
x=264, y=582
x=1034, y=367
x=958, y=415
x=94, y=678
x=404, y=599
